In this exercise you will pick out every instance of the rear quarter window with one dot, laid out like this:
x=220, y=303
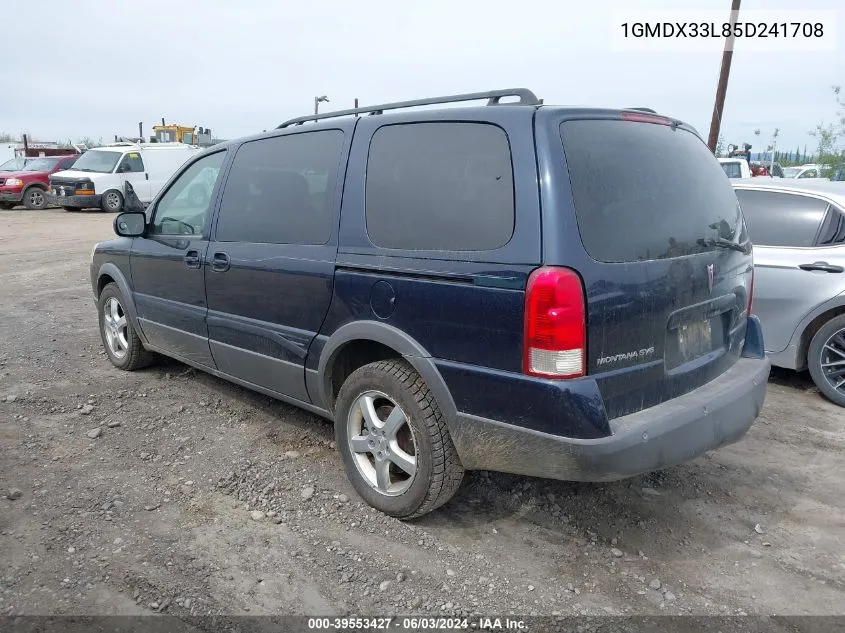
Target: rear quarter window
x=645, y=191
x=440, y=186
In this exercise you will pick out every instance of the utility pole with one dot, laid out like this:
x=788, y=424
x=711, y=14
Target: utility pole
x=774, y=147
x=722, y=88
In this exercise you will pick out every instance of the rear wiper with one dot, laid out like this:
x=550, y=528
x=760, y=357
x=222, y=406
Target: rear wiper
x=720, y=242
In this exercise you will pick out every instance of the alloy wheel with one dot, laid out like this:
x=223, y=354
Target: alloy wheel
x=382, y=443
x=115, y=328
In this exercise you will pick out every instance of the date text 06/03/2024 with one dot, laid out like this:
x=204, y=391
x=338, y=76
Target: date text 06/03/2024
x=422, y=623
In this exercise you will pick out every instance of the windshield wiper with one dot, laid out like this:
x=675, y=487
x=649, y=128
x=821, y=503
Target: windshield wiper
x=720, y=242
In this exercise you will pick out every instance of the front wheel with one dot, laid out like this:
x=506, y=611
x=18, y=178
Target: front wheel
x=34, y=199
x=112, y=201
x=121, y=342
x=393, y=439
x=826, y=360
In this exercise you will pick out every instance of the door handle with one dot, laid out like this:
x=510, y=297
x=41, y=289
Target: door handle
x=220, y=262
x=192, y=259
x=147, y=175
x=822, y=266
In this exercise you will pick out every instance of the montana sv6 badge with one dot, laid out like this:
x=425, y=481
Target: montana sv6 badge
x=635, y=355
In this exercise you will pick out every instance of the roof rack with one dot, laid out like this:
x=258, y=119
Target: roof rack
x=526, y=97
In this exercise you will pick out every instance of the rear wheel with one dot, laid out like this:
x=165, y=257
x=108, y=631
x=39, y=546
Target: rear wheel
x=826, y=360
x=120, y=340
x=394, y=442
x=34, y=198
x=112, y=201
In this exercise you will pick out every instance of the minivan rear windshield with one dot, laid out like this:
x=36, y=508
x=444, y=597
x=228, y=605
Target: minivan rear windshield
x=646, y=191
x=97, y=161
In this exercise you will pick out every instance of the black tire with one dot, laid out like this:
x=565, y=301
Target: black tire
x=135, y=355
x=34, y=198
x=8, y=206
x=832, y=331
x=111, y=201
x=438, y=471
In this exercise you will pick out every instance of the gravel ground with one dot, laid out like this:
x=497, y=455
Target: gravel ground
x=170, y=491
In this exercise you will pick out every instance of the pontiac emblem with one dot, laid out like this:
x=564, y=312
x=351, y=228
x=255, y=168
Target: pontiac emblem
x=711, y=274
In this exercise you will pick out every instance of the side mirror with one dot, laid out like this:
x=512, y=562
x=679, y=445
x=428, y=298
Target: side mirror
x=131, y=224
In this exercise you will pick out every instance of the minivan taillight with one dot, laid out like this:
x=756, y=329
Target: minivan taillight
x=555, y=343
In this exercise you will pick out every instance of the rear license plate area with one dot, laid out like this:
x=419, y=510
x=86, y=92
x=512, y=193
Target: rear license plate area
x=689, y=341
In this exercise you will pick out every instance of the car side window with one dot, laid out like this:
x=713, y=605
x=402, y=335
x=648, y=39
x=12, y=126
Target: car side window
x=280, y=190
x=184, y=207
x=440, y=186
x=68, y=162
x=131, y=163
x=781, y=219
x=810, y=173
x=833, y=229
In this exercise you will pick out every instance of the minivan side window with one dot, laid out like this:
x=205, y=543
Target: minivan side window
x=280, y=190
x=781, y=219
x=131, y=162
x=184, y=207
x=440, y=186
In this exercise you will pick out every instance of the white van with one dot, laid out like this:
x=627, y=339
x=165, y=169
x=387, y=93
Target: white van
x=97, y=178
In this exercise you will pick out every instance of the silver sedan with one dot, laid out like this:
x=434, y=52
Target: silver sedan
x=798, y=231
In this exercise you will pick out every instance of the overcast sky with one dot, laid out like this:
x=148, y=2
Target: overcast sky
x=97, y=67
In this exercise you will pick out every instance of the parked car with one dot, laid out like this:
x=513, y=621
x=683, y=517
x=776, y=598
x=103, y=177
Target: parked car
x=736, y=167
x=803, y=171
x=798, y=230
x=29, y=185
x=765, y=168
x=456, y=289
x=96, y=180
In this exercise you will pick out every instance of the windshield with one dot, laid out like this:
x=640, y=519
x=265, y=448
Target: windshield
x=42, y=164
x=644, y=191
x=14, y=164
x=98, y=161
x=791, y=172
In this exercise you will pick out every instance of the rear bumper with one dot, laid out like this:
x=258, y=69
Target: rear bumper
x=77, y=202
x=668, y=434
x=11, y=196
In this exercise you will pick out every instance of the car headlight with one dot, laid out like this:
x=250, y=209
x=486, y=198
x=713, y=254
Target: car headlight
x=14, y=182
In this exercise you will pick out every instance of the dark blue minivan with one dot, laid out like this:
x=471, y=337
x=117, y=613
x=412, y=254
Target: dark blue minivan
x=551, y=291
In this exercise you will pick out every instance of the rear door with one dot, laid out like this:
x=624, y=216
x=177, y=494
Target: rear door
x=799, y=258
x=270, y=269
x=641, y=209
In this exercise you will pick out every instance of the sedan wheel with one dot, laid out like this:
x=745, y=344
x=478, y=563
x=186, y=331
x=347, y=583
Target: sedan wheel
x=826, y=360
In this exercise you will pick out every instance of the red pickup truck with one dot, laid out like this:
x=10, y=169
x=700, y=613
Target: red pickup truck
x=29, y=185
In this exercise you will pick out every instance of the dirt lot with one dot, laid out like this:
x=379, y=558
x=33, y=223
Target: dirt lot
x=196, y=496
